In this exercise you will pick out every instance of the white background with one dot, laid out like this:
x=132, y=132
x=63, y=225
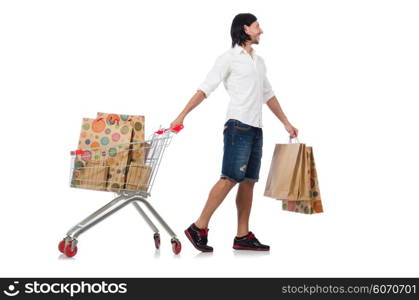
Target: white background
x=345, y=72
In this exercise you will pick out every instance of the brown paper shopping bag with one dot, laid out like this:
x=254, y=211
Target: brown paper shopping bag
x=137, y=151
x=304, y=176
x=109, y=143
x=90, y=175
x=138, y=178
x=309, y=200
x=285, y=171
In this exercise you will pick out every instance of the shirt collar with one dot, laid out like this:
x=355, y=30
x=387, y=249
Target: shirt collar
x=239, y=49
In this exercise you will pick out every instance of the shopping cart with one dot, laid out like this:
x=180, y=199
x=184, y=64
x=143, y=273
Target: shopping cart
x=90, y=169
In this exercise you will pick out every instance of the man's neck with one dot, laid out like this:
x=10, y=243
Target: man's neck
x=248, y=48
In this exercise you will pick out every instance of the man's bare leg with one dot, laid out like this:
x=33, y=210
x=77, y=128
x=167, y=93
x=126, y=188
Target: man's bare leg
x=244, y=205
x=216, y=196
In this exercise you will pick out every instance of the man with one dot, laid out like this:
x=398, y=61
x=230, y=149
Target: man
x=243, y=73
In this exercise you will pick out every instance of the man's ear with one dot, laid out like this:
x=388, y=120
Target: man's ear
x=246, y=29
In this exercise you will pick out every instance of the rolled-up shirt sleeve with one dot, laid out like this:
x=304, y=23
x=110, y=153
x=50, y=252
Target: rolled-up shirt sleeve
x=218, y=73
x=268, y=93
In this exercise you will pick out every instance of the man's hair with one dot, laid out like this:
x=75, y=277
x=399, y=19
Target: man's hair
x=238, y=36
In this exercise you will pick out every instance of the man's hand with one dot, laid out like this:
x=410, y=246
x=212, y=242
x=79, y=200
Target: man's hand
x=291, y=130
x=176, y=122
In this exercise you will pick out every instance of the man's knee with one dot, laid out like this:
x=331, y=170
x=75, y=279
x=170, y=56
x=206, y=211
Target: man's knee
x=228, y=181
x=247, y=183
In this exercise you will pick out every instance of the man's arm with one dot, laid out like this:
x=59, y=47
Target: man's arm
x=214, y=77
x=218, y=73
x=193, y=102
x=274, y=106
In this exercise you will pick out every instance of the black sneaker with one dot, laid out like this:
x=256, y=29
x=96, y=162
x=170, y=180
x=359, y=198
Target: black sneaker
x=198, y=238
x=249, y=242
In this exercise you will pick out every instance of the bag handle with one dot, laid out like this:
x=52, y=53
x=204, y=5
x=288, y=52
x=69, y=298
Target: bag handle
x=293, y=138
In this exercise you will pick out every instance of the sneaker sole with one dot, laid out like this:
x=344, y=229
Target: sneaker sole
x=193, y=244
x=249, y=248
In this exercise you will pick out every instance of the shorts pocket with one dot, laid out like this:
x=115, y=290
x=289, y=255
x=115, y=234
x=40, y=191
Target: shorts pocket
x=225, y=127
x=241, y=126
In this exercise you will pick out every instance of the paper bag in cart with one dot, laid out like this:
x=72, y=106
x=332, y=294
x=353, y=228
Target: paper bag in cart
x=137, y=172
x=90, y=174
x=105, y=145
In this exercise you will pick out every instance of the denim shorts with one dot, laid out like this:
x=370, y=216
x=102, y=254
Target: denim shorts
x=242, y=151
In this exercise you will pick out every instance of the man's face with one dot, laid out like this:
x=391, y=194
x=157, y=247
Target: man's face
x=254, y=31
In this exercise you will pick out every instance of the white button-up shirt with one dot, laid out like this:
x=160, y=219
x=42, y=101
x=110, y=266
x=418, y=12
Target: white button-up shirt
x=244, y=78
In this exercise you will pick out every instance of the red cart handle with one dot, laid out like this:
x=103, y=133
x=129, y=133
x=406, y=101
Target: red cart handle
x=78, y=152
x=176, y=129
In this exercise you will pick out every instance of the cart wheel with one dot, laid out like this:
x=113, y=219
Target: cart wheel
x=61, y=246
x=176, y=246
x=157, y=240
x=68, y=252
